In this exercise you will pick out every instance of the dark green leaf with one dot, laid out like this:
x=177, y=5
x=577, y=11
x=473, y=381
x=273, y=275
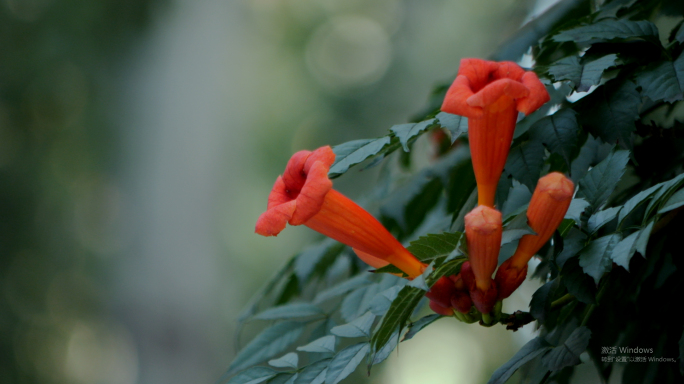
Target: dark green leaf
x=342, y=288
x=664, y=192
x=599, y=183
x=518, y=196
x=592, y=152
x=610, y=29
x=558, y=133
x=663, y=81
x=583, y=76
x=611, y=9
x=624, y=250
x=431, y=246
x=314, y=373
x=595, y=258
x=284, y=378
x=541, y=303
x=384, y=353
x=601, y=218
x=345, y=362
x=290, y=360
x=577, y=206
x=457, y=125
x=610, y=112
x=251, y=309
x=358, y=328
x=406, y=132
x=269, y=343
x=354, y=152
x=525, y=162
x=409, y=204
x=516, y=228
x=529, y=351
x=382, y=301
x=642, y=241
x=679, y=36
x=306, y=262
x=254, y=375
x=635, y=201
x=325, y=344
x=675, y=201
x=416, y=327
x=567, y=354
x=289, y=311
x=572, y=244
x=577, y=282
x=356, y=303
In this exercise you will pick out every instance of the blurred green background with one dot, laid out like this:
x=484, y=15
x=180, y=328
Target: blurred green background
x=139, y=140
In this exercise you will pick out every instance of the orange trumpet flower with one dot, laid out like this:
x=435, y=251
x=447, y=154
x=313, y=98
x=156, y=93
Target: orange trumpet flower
x=304, y=195
x=550, y=201
x=490, y=95
x=483, y=234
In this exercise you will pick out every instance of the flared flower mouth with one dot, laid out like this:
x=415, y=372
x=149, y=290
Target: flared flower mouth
x=299, y=193
x=481, y=83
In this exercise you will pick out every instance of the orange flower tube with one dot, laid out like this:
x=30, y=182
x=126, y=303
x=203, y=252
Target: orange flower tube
x=550, y=201
x=490, y=95
x=483, y=229
x=304, y=195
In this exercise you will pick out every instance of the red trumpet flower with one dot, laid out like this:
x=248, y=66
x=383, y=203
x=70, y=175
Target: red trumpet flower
x=304, y=195
x=550, y=201
x=490, y=94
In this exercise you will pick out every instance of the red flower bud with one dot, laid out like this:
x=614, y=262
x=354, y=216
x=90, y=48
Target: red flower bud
x=483, y=235
x=490, y=94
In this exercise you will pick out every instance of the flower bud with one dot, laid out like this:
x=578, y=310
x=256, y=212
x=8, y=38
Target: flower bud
x=483, y=235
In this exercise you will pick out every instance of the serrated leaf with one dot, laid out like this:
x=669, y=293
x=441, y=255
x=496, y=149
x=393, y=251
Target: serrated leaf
x=624, y=250
x=417, y=326
x=577, y=206
x=577, y=282
x=529, y=351
x=306, y=262
x=664, y=192
x=269, y=343
x=601, y=218
x=663, y=81
x=342, y=288
x=642, y=240
x=583, y=76
x=358, y=328
x=609, y=29
x=254, y=375
x=595, y=258
x=516, y=228
x=406, y=132
x=611, y=9
x=354, y=152
x=409, y=204
x=386, y=350
x=382, y=301
x=599, y=183
x=345, y=362
x=431, y=246
x=290, y=360
x=314, y=373
x=540, y=303
x=572, y=244
x=289, y=311
x=558, y=132
x=636, y=200
x=525, y=163
x=567, y=354
x=675, y=201
x=356, y=303
x=610, y=112
x=518, y=196
x=325, y=344
x=457, y=125
x=592, y=152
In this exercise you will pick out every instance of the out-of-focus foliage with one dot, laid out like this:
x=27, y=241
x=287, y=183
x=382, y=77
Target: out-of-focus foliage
x=611, y=274
x=57, y=152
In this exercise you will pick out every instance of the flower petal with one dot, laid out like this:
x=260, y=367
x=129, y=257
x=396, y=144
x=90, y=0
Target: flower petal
x=509, y=70
x=455, y=99
x=278, y=194
x=294, y=175
x=370, y=259
x=495, y=90
x=477, y=71
x=323, y=154
x=312, y=195
x=271, y=222
x=537, y=97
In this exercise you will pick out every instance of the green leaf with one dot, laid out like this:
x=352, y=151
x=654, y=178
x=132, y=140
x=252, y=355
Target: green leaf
x=577, y=282
x=572, y=244
x=254, y=375
x=642, y=240
x=516, y=228
x=431, y=246
x=577, y=206
x=529, y=351
x=558, y=133
x=356, y=303
x=636, y=200
x=284, y=378
x=306, y=262
x=664, y=192
x=342, y=288
x=599, y=183
x=325, y=344
x=525, y=163
x=358, y=328
x=663, y=81
x=582, y=76
x=253, y=306
x=354, y=152
x=610, y=29
x=518, y=196
x=314, y=373
x=269, y=343
x=385, y=351
x=345, y=362
x=679, y=36
x=289, y=311
x=406, y=132
x=595, y=258
x=457, y=125
x=610, y=112
x=383, y=300
x=417, y=326
x=409, y=204
x=540, y=304
x=675, y=201
x=624, y=250
x=592, y=152
x=601, y=218
x=567, y=354
x=290, y=360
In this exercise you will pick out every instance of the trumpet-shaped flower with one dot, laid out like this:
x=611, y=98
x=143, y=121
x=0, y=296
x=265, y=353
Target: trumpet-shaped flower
x=490, y=95
x=483, y=235
x=304, y=195
x=550, y=201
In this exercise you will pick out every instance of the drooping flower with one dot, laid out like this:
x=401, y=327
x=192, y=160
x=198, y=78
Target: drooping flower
x=483, y=235
x=304, y=195
x=490, y=95
x=550, y=201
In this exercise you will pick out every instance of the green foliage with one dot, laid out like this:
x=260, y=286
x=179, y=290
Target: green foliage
x=612, y=78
